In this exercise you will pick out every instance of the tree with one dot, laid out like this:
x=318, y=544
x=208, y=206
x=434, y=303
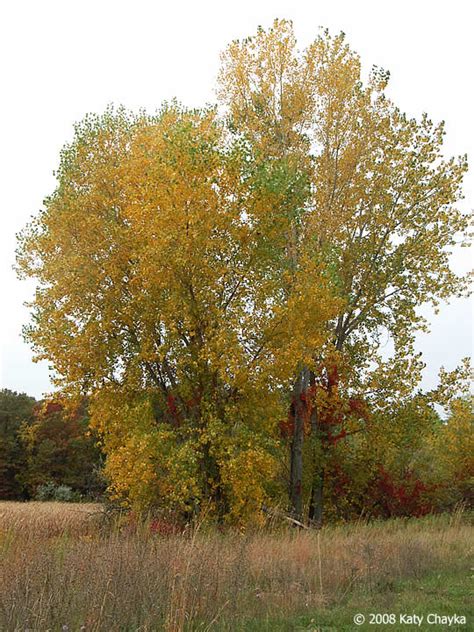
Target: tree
x=453, y=449
x=203, y=277
x=449, y=463
x=59, y=447
x=382, y=204
x=15, y=409
x=164, y=295
x=415, y=456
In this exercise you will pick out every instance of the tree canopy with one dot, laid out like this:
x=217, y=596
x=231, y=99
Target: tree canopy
x=218, y=281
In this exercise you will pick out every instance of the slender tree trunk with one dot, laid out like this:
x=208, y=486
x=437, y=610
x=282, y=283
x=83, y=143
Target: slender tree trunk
x=296, y=465
x=315, y=512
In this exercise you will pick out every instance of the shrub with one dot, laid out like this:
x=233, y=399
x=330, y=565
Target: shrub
x=60, y=493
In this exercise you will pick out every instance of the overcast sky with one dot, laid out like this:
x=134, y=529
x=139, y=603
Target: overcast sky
x=61, y=60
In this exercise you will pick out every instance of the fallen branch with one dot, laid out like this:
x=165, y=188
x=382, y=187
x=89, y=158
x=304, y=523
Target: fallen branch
x=283, y=516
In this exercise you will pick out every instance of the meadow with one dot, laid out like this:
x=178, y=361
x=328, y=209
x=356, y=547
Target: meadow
x=68, y=567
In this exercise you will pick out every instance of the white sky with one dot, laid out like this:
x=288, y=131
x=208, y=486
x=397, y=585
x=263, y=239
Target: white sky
x=63, y=59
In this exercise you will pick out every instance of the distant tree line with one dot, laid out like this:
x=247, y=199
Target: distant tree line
x=46, y=451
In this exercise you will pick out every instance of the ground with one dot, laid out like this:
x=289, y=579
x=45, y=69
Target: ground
x=68, y=567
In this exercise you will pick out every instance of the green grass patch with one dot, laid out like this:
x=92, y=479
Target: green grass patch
x=445, y=594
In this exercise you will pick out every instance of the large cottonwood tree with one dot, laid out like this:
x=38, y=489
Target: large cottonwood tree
x=382, y=205
x=201, y=274
x=164, y=295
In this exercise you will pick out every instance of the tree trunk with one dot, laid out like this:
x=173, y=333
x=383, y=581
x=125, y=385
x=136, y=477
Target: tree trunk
x=315, y=512
x=296, y=465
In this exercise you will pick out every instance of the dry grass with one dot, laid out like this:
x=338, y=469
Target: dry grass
x=39, y=520
x=60, y=570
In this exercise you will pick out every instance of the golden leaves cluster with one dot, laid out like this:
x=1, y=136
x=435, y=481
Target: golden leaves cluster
x=189, y=264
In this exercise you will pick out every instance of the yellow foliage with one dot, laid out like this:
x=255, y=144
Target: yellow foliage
x=189, y=267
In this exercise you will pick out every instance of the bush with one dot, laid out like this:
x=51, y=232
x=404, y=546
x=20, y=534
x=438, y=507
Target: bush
x=60, y=493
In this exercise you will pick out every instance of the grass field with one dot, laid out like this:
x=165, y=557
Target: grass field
x=64, y=568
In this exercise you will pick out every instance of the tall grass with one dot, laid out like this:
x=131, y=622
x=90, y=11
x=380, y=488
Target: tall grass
x=60, y=570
